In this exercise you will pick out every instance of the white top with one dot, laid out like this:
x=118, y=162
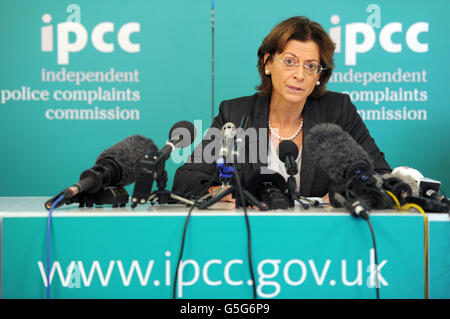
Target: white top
x=275, y=164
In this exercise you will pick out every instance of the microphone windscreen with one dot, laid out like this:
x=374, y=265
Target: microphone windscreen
x=408, y=171
x=286, y=148
x=335, y=151
x=126, y=154
x=184, y=131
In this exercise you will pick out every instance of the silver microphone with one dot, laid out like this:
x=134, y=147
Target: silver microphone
x=228, y=132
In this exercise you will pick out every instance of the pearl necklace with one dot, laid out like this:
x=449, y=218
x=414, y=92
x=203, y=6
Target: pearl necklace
x=285, y=138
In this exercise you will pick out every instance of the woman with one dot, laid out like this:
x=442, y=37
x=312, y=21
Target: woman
x=295, y=61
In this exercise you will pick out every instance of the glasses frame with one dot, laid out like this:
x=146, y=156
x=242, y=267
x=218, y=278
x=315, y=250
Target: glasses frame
x=320, y=67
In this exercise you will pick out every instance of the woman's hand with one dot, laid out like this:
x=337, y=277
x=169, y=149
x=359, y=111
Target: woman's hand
x=229, y=198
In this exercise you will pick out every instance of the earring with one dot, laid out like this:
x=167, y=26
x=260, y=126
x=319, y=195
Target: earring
x=267, y=71
x=317, y=83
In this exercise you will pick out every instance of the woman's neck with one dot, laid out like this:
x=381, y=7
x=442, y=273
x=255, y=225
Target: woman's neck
x=284, y=113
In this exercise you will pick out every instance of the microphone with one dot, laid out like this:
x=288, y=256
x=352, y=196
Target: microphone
x=288, y=152
x=351, y=171
x=427, y=187
x=269, y=187
x=151, y=165
x=337, y=153
x=407, y=180
x=181, y=134
x=115, y=166
x=425, y=191
x=347, y=165
x=397, y=185
x=228, y=132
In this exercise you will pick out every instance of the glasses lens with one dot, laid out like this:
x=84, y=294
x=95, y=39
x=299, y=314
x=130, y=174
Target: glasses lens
x=289, y=62
x=311, y=67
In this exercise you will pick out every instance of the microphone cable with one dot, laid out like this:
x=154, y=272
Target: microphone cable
x=406, y=209
x=244, y=122
x=239, y=186
x=365, y=216
x=372, y=233
x=354, y=196
x=47, y=246
x=211, y=180
x=247, y=222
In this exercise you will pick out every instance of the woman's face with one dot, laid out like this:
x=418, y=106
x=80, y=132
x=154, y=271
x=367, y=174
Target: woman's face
x=296, y=84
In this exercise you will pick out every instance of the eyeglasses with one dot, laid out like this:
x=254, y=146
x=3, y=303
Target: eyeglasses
x=290, y=63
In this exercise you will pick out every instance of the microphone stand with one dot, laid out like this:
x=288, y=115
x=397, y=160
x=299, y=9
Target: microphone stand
x=151, y=167
x=227, y=176
x=233, y=190
x=115, y=196
x=291, y=186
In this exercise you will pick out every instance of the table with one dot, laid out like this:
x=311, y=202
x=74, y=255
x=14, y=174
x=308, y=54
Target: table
x=297, y=253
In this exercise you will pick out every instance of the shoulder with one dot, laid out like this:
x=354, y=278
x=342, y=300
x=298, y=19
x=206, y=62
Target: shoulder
x=331, y=107
x=332, y=98
x=238, y=102
x=234, y=109
x=334, y=103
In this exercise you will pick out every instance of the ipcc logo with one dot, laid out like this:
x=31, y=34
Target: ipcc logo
x=352, y=47
x=65, y=47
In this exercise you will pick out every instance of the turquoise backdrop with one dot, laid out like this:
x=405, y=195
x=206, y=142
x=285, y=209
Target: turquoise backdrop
x=242, y=25
x=169, y=77
x=41, y=156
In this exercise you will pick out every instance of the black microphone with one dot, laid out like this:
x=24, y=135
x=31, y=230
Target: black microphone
x=342, y=159
x=337, y=153
x=151, y=165
x=350, y=168
x=399, y=186
x=115, y=166
x=288, y=152
x=407, y=179
x=181, y=134
x=269, y=187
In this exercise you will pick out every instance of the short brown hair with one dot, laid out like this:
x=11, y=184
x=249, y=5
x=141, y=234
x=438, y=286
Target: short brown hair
x=302, y=29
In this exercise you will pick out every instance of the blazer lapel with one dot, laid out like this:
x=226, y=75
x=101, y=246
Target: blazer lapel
x=308, y=168
x=260, y=120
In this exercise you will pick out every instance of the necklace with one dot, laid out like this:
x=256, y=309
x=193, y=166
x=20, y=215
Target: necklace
x=285, y=138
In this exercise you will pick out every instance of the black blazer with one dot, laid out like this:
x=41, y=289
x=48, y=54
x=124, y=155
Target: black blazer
x=191, y=178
